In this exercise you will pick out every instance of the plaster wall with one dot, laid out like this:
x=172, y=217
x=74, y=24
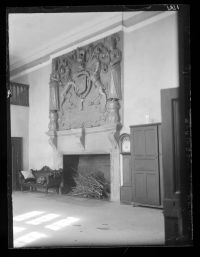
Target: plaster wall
x=19, y=116
x=150, y=64
x=40, y=152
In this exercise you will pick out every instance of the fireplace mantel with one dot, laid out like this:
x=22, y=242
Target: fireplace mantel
x=98, y=140
x=85, y=104
x=78, y=131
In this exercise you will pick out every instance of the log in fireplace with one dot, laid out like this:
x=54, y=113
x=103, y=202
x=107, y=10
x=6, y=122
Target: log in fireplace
x=93, y=172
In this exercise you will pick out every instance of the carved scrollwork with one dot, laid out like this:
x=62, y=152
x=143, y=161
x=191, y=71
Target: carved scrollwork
x=114, y=138
x=85, y=80
x=53, y=142
x=53, y=120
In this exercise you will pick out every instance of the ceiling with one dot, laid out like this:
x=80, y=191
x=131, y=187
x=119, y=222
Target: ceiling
x=30, y=31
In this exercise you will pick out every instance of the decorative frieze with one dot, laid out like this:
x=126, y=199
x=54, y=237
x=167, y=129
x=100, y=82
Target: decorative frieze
x=113, y=110
x=85, y=86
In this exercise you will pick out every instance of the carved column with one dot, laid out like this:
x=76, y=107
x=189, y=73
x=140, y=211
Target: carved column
x=115, y=163
x=114, y=94
x=113, y=110
x=53, y=105
x=53, y=116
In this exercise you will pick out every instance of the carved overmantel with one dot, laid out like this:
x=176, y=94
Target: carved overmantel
x=85, y=96
x=85, y=86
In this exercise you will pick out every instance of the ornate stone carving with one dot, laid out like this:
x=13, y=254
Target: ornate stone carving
x=82, y=137
x=85, y=85
x=114, y=135
x=53, y=120
x=113, y=111
x=53, y=142
x=115, y=59
x=54, y=104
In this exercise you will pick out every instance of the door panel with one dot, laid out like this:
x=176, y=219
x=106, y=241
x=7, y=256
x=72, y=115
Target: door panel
x=140, y=188
x=139, y=142
x=145, y=167
x=152, y=189
x=151, y=146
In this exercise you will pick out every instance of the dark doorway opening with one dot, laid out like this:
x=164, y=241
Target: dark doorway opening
x=16, y=143
x=87, y=175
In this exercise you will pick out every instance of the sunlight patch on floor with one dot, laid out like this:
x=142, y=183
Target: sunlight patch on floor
x=31, y=218
x=28, y=238
x=18, y=229
x=27, y=215
x=42, y=219
x=62, y=223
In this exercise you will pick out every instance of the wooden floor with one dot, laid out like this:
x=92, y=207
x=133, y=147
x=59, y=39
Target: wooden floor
x=51, y=220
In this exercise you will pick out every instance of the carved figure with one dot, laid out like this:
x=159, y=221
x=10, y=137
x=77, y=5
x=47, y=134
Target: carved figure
x=83, y=81
x=115, y=57
x=54, y=104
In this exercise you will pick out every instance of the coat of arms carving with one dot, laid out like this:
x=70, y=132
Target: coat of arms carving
x=83, y=82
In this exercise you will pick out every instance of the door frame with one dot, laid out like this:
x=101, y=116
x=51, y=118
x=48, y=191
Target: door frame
x=19, y=141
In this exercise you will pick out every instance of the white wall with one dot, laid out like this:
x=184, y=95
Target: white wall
x=150, y=63
x=19, y=117
x=40, y=152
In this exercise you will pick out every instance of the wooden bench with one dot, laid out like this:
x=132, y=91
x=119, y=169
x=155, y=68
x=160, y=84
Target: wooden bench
x=44, y=178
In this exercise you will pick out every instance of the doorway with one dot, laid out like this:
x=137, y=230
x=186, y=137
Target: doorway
x=16, y=144
x=146, y=165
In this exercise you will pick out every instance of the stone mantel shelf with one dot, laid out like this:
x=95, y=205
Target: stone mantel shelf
x=78, y=131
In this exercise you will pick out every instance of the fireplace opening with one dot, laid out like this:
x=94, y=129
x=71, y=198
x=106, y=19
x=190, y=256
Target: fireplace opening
x=87, y=176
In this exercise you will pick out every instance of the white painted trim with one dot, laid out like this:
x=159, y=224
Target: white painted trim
x=127, y=15
x=34, y=68
x=87, y=41
x=149, y=21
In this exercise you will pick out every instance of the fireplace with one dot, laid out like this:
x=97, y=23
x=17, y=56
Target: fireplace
x=86, y=111
x=96, y=167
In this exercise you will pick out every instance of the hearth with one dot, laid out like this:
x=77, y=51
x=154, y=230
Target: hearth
x=87, y=175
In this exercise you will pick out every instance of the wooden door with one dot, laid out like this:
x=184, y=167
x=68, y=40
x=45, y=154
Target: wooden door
x=145, y=165
x=16, y=143
x=171, y=162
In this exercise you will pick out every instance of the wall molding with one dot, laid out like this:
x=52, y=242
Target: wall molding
x=70, y=37
x=115, y=22
x=29, y=70
x=148, y=21
x=87, y=41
